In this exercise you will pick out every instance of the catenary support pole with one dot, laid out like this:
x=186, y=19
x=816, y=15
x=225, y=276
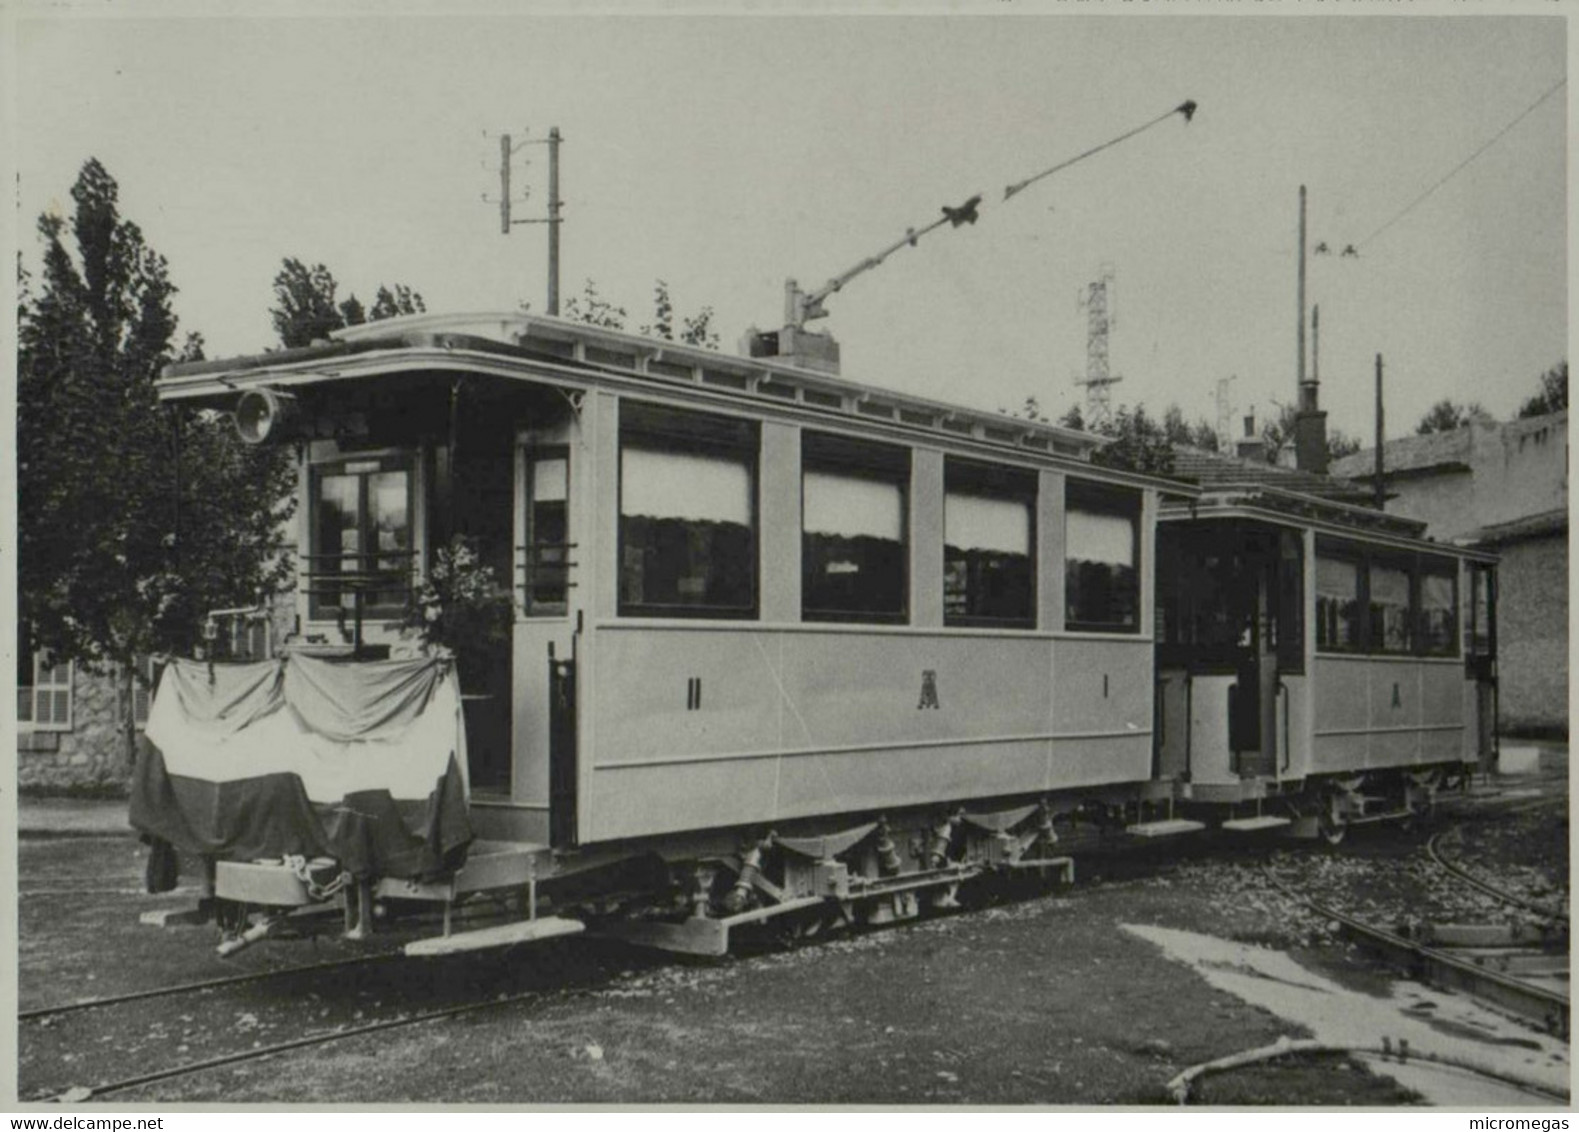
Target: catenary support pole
x=1381, y=488
x=553, y=221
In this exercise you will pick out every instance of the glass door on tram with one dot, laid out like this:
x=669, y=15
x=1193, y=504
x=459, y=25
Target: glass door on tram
x=1229, y=617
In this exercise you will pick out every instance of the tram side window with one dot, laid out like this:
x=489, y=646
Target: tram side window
x=1101, y=559
x=1438, y=634
x=362, y=537
x=854, y=511
x=988, y=562
x=1389, y=609
x=547, y=532
x=688, y=544
x=1337, y=604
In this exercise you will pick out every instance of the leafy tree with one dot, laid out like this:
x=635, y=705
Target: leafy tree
x=662, y=325
x=1139, y=443
x=392, y=304
x=307, y=309
x=1201, y=434
x=591, y=307
x=1553, y=396
x=1340, y=444
x=1447, y=415
x=697, y=330
x=132, y=520
x=1279, y=430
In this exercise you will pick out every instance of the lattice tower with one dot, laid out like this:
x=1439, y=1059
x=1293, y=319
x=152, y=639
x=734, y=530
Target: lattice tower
x=1099, y=379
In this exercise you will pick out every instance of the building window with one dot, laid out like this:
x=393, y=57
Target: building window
x=1438, y=635
x=137, y=697
x=43, y=694
x=854, y=522
x=547, y=532
x=989, y=565
x=1337, y=604
x=1101, y=558
x=363, y=546
x=688, y=542
x=1389, y=606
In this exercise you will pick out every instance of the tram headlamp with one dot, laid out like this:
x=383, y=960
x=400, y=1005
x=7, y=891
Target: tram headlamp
x=264, y=415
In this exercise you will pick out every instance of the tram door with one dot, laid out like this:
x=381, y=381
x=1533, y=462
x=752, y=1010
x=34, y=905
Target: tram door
x=477, y=491
x=1253, y=710
x=1229, y=611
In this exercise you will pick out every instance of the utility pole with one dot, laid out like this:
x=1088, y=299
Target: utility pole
x=1381, y=490
x=1300, y=369
x=553, y=220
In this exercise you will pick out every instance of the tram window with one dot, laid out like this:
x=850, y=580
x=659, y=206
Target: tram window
x=1438, y=632
x=363, y=540
x=1389, y=608
x=1290, y=621
x=547, y=532
x=854, y=505
x=988, y=563
x=1101, y=540
x=1337, y=604
x=688, y=545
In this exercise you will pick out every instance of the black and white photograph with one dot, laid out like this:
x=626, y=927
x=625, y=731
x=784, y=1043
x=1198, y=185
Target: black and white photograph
x=1006, y=555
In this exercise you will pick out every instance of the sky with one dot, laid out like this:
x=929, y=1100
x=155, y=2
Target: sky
x=726, y=153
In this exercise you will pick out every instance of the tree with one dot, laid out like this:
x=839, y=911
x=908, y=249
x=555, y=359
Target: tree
x=590, y=307
x=1279, y=430
x=307, y=310
x=1138, y=442
x=132, y=519
x=1202, y=434
x=1448, y=415
x=1553, y=396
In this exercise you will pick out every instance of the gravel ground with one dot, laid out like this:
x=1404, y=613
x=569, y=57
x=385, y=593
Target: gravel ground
x=1041, y=1001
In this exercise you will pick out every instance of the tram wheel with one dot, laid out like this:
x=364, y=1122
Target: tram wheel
x=1331, y=826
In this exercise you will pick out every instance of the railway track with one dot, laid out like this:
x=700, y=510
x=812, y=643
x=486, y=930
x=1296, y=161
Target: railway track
x=258, y=1053
x=325, y=976
x=1483, y=960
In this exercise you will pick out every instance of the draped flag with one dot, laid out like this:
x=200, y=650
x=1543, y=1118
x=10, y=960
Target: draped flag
x=364, y=762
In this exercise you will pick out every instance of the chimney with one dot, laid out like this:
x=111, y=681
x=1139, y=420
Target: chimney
x=1310, y=423
x=1250, y=446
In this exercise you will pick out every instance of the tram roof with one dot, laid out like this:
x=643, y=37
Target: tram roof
x=566, y=349
x=1323, y=515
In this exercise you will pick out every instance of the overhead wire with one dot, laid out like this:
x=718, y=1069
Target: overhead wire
x=1528, y=110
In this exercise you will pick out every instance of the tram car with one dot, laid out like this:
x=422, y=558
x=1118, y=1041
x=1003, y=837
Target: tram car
x=785, y=649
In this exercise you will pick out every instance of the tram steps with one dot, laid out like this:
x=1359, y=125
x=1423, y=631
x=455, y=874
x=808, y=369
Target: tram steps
x=501, y=935
x=1167, y=828
x=1250, y=825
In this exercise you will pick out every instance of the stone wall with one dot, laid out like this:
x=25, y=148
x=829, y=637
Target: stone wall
x=1532, y=635
x=92, y=755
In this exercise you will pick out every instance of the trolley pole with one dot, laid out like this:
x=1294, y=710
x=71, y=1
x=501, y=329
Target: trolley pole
x=553, y=221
